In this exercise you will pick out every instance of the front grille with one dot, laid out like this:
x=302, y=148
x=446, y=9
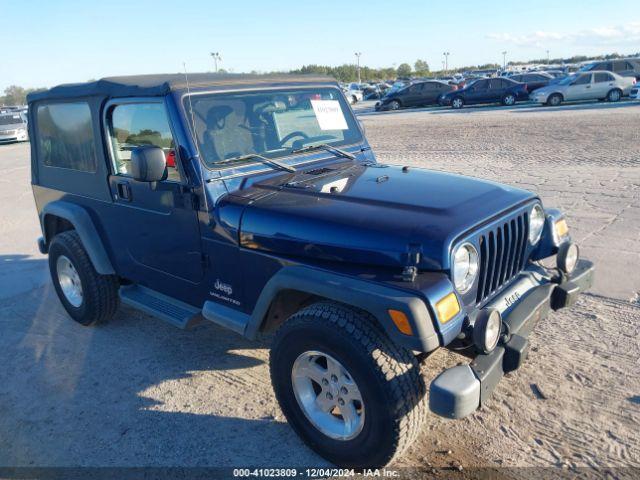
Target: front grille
x=502, y=254
x=7, y=132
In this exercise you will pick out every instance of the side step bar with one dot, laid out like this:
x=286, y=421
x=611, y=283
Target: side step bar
x=175, y=312
x=225, y=317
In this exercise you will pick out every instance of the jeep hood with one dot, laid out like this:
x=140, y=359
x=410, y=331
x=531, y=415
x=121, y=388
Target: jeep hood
x=369, y=214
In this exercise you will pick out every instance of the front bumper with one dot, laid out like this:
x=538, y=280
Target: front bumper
x=460, y=390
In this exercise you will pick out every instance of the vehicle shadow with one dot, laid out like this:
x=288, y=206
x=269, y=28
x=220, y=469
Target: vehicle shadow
x=134, y=392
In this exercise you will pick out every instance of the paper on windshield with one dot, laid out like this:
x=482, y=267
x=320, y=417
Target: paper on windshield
x=329, y=115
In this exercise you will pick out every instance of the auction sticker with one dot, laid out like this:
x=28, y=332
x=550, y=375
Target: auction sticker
x=329, y=114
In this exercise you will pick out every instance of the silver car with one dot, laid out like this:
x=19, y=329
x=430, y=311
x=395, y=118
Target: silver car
x=13, y=127
x=595, y=85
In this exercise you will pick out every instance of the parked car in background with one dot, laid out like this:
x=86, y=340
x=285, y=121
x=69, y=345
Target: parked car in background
x=556, y=73
x=598, y=85
x=415, y=95
x=13, y=127
x=533, y=80
x=626, y=67
x=353, y=93
x=487, y=90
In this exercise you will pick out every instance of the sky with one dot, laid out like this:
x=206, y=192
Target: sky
x=48, y=42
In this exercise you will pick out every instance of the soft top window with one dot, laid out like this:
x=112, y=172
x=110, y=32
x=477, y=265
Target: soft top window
x=65, y=136
x=270, y=123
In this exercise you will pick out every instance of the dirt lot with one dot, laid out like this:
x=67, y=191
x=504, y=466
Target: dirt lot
x=137, y=392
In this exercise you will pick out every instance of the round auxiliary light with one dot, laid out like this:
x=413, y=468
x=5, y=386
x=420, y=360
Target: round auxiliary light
x=536, y=224
x=568, y=256
x=487, y=329
x=465, y=267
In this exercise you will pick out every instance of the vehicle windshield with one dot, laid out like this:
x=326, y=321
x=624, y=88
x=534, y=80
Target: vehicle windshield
x=568, y=80
x=270, y=123
x=11, y=119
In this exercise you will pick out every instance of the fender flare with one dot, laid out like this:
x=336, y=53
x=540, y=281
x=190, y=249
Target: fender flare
x=83, y=224
x=372, y=297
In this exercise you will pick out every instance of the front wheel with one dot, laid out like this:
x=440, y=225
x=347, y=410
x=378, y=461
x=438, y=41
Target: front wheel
x=614, y=95
x=457, y=103
x=394, y=105
x=509, y=100
x=353, y=396
x=554, y=100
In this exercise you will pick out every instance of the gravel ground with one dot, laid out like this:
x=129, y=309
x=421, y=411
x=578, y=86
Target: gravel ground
x=137, y=392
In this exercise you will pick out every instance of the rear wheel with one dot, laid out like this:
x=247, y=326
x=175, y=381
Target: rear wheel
x=509, y=99
x=554, y=100
x=88, y=297
x=351, y=394
x=457, y=103
x=614, y=95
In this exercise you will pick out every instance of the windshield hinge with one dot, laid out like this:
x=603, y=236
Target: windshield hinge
x=410, y=271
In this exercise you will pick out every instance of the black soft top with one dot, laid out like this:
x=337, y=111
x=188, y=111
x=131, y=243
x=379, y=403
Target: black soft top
x=161, y=84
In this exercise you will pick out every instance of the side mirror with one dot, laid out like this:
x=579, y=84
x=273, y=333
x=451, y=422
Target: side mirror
x=148, y=164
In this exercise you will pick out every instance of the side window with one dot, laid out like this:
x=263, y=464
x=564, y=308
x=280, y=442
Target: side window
x=415, y=88
x=65, y=136
x=136, y=124
x=582, y=80
x=496, y=83
x=481, y=85
x=601, y=77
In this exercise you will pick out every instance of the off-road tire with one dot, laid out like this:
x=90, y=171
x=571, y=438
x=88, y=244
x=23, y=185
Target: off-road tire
x=388, y=376
x=100, y=292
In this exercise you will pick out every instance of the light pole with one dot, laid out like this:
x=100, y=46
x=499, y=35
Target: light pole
x=446, y=61
x=504, y=60
x=547, y=57
x=357, y=54
x=216, y=57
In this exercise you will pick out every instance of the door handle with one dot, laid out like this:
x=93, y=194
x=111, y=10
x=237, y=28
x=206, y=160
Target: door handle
x=124, y=190
x=588, y=86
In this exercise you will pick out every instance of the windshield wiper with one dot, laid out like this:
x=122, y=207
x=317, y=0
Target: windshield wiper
x=262, y=159
x=327, y=147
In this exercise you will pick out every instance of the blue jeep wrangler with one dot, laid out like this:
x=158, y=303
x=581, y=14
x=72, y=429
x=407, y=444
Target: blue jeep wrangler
x=256, y=203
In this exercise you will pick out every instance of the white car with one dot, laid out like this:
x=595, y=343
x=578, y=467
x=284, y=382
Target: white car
x=594, y=85
x=634, y=93
x=353, y=93
x=13, y=127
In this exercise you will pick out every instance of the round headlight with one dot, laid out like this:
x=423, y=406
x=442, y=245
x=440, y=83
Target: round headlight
x=536, y=224
x=568, y=256
x=487, y=329
x=465, y=267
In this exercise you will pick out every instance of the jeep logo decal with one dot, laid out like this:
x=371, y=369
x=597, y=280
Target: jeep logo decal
x=223, y=287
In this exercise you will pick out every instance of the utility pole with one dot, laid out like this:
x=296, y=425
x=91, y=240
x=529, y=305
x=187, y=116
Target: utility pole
x=504, y=60
x=446, y=61
x=216, y=58
x=357, y=54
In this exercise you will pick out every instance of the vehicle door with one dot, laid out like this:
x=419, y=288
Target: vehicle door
x=477, y=92
x=430, y=93
x=623, y=68
x=154, y=229
x=412, y=95
x=497, y=88
x=602, y=83
x=580, y=88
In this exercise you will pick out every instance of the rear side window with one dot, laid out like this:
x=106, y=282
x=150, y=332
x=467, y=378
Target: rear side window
x=602, y=77
x=65, y=136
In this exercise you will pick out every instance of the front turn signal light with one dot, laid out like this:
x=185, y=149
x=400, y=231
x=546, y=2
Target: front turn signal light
x=447, y=307
x=562, y=229
x=401, y=321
